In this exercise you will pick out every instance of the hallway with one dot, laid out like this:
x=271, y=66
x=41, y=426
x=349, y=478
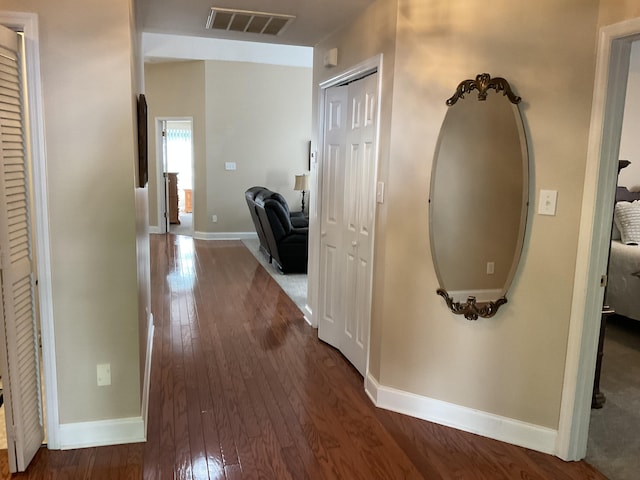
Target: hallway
x=242, y=388
x=255, y=394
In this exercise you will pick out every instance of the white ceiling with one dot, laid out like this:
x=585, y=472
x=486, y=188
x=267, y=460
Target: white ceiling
x=315, y=19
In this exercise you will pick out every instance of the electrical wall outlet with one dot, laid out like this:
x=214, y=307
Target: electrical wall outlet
x=104, y=374
x=491, y=268
x=214, y=218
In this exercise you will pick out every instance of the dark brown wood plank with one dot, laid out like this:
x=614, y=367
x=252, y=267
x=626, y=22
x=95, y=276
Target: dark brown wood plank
x=241, y=388
x=102, y=467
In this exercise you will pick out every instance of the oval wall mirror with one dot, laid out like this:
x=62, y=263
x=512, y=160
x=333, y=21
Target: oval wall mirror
x=478, y=201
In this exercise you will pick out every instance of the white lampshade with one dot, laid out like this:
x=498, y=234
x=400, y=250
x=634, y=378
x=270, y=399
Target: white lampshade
x=302, y=183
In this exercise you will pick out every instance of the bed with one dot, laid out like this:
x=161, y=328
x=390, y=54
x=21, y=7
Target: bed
x=623, y=285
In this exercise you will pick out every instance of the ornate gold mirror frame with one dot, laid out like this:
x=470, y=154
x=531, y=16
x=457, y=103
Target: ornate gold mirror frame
x=474, y=308
x=483, y=83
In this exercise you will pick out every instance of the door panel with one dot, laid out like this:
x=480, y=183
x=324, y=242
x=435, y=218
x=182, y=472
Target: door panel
x=333, y=177
x=351, y=193
x=330, y=304
x=350, y=321
x=348, y=206
x=358, y=201
x=18, y=335
x=331, y=238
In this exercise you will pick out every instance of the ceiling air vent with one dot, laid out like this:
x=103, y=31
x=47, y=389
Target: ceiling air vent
x=247, y=21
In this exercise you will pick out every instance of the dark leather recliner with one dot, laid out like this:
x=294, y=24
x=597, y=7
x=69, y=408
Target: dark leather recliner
x=283, y=235
x=250, y=196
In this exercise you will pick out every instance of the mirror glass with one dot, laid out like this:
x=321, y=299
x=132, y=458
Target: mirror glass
x=479, y=195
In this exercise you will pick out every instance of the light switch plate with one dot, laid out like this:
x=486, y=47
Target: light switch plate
x=548, y=201
x=331, y=58
x=229, y=165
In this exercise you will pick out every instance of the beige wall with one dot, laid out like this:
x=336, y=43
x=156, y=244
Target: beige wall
x=629, y=145
x=177, y=89
x=511, y=365
x=256, y=115
x=86, y=59
x=141, y=205
x=614, y=11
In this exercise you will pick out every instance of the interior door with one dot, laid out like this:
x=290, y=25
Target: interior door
x=165, y=178
x=359, y=205
x=331, y=221
x=348, y=206
x=18, y=332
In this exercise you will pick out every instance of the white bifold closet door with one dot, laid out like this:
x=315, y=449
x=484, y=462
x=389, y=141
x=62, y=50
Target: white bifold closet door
x=18, y=333
x=347, y=218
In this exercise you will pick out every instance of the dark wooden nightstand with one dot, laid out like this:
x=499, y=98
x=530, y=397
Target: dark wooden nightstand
x=598, y=398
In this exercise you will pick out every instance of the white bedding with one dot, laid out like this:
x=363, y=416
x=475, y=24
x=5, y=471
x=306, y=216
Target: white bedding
x=623, y=288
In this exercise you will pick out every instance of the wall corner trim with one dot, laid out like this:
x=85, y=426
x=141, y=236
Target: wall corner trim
x=147, y=373
x=535, y=437
x=101, y=433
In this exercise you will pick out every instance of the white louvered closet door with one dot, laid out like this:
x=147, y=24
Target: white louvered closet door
x=18, y=335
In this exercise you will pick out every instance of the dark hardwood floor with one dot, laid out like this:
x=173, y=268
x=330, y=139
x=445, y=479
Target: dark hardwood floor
x=242, y=388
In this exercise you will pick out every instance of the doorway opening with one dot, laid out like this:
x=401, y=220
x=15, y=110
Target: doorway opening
x=177, y=173
x=611, y=76
x=26, y=305
x=615, y=419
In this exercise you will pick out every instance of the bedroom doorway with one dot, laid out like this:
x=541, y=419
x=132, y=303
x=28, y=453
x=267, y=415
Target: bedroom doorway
x=613, y=441
x=611, y=76
x=176, y=202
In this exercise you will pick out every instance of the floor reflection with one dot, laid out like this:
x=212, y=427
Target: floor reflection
x=241, y=385
x=183, y=276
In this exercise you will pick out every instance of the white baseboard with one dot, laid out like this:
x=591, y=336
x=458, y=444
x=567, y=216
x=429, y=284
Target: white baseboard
x=504, y=429
x=101, y=433
x=215, y=235
x=116, y=431
x=147, y=373
x=225, y=235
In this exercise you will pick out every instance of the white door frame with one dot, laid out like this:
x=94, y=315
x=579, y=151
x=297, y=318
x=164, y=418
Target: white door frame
x=358, y=71
x=28, y=24
x=612, y=65
x=162, y=226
